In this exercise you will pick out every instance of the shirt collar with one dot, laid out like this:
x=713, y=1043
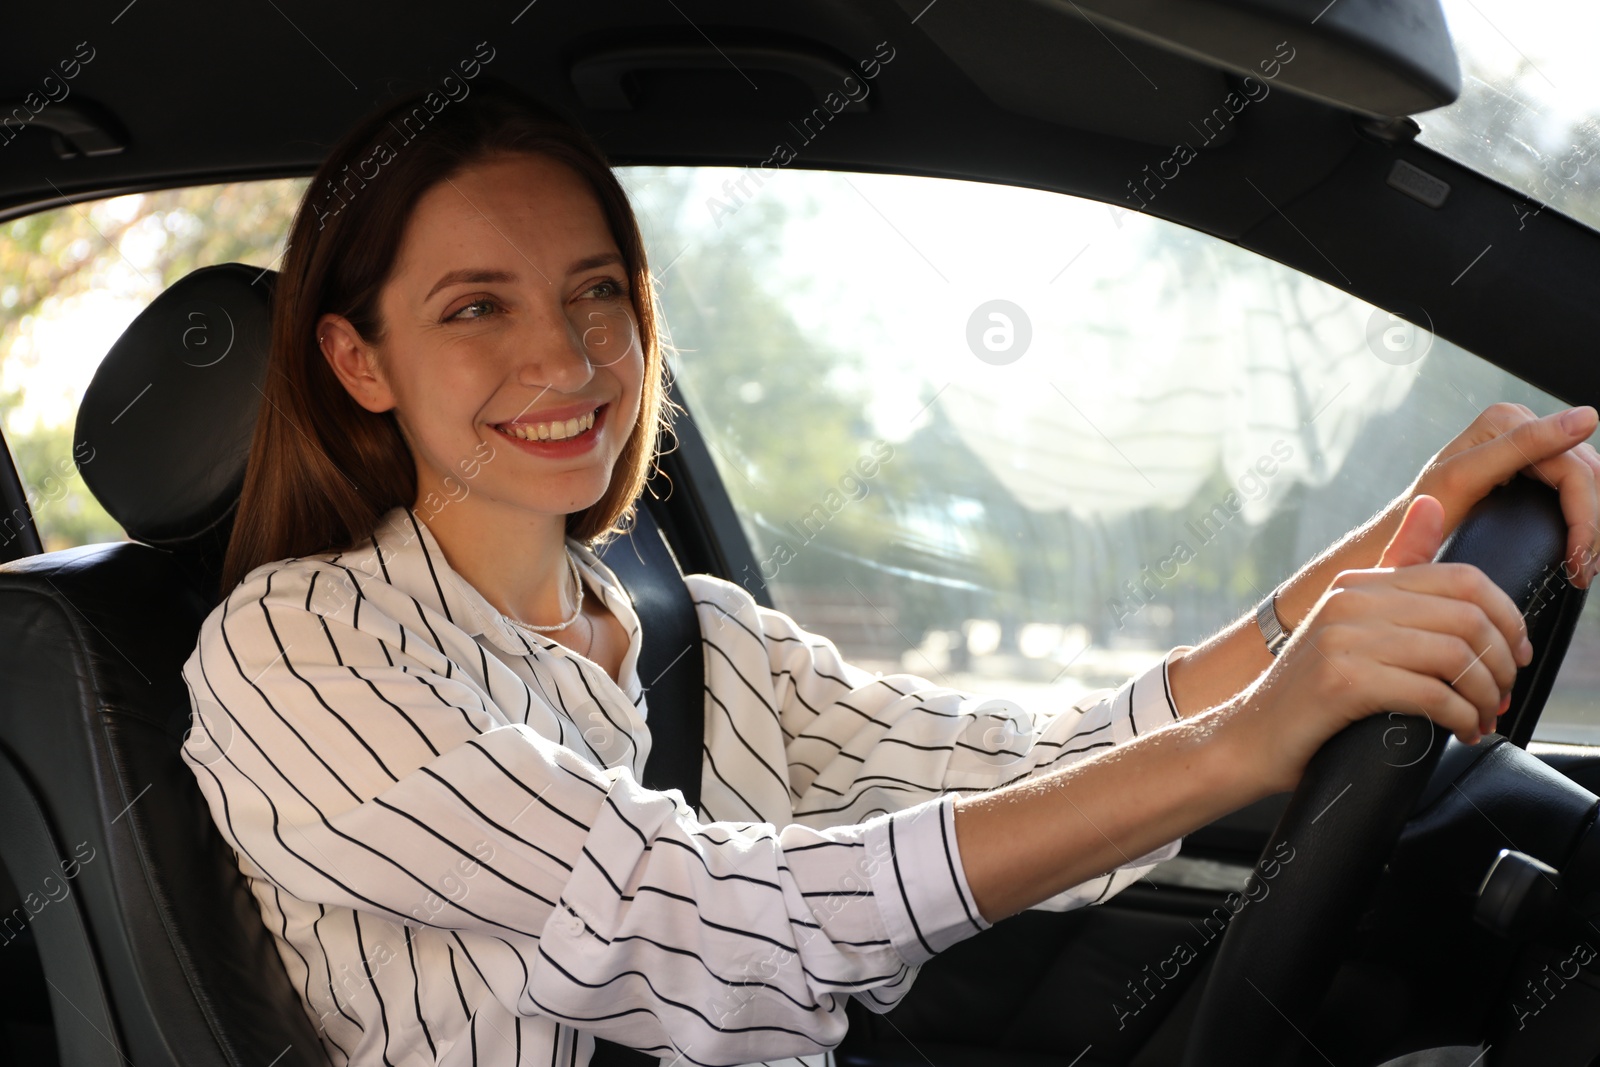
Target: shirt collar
x=413, y=562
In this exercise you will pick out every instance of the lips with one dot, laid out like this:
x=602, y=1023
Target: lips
x=592, y=425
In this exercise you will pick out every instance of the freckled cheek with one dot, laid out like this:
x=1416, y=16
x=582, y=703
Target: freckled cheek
x=463, y=370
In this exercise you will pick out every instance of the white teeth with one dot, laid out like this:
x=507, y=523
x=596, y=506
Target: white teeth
x=551, y=431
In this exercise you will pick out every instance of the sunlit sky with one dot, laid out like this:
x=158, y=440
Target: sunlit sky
x=937, y=250
x=1553, y=38
x=1557, y=36
x=55, y=355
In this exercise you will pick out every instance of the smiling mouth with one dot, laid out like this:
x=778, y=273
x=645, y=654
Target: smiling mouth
x=551, y=431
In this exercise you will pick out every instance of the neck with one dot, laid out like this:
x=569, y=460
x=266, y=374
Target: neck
x=516, y=558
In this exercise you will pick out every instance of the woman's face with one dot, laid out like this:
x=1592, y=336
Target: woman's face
x=507, y=317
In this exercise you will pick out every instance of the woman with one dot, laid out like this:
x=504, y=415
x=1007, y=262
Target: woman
x=418, y=716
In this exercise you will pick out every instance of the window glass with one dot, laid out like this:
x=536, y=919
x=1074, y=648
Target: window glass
x=1529, y=110
x=71, y=280
x=1022, y=443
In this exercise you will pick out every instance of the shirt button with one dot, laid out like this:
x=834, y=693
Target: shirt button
x=574, y=925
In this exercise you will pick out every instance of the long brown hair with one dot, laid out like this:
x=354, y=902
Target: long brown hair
x=322, y=469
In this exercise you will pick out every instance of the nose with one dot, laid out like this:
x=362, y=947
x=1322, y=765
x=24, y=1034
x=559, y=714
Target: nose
x=552, y=355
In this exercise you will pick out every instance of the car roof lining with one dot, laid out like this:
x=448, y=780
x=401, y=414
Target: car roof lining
x=238, y=111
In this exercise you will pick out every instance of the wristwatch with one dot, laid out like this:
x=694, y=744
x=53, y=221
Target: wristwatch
x=1272, y=628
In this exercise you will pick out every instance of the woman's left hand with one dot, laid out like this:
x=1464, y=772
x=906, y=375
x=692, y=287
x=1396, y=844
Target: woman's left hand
x=1506, y=439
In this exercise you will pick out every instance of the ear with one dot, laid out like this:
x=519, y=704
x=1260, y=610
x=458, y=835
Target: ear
x=354, y=362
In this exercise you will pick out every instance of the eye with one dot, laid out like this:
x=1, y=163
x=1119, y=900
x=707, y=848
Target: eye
x=609, y=289
x=482, y=306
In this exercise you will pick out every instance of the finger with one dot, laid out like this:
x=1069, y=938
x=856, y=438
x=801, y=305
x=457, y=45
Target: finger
x=1455, y=620
x=1453, y=661
x=1411, y=693
x=1587, y=453
x=1574, y=478
x=1527, y=445
x=1505, y=441
x=1492, y=422
x=1418, y=536
x=1591, y=459
x=1448, y=598
x=1534, y=440
x=1457, y=581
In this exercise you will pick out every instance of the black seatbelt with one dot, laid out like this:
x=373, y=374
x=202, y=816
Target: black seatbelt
x=671, y=663
x=672, y=672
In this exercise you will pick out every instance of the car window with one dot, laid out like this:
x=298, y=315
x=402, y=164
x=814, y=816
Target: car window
x=71, y=279
x=1529, y=110
x=1009, y=440
x=1022, y=443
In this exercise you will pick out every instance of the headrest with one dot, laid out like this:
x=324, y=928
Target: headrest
x=164, y=429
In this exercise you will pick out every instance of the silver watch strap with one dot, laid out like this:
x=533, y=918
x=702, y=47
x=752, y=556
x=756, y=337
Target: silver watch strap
x=1272, y=628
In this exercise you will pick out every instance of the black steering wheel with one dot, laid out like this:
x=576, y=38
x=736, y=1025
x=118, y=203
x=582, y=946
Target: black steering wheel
x=1279, y=954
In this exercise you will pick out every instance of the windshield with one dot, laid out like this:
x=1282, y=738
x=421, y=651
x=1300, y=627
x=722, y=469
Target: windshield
x=1529, y=112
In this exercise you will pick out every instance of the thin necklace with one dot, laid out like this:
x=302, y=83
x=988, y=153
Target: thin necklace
x=572, y=565
x=588, y=625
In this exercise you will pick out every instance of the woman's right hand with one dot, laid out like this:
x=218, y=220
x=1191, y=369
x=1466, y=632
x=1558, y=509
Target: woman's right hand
x=1409, y=636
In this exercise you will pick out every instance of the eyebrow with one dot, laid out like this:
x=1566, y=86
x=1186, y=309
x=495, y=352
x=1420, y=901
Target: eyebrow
x=474, y=275
x=602, y=260
x=456, y=277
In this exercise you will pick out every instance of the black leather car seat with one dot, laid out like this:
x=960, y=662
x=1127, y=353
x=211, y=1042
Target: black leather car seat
x=155, y=954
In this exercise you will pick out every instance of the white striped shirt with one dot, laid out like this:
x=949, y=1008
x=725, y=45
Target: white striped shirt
x=440, y=818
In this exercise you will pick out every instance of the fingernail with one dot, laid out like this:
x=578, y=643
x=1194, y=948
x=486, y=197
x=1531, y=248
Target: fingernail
x=1527, y=651
x=1505, y=704
x=1575, y=420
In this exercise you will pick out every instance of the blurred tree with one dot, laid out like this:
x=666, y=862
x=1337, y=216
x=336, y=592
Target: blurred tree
x=776, y=406
x=128, y=247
